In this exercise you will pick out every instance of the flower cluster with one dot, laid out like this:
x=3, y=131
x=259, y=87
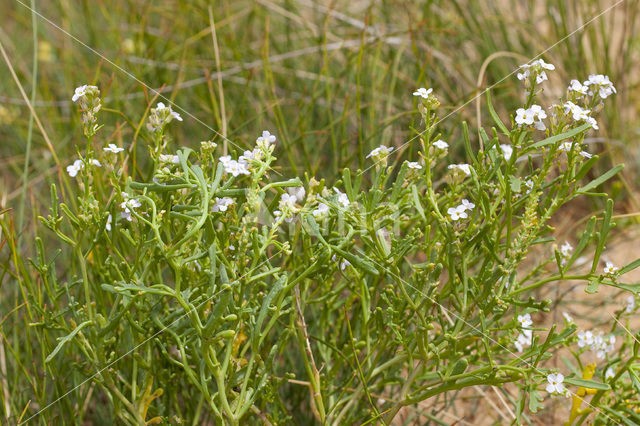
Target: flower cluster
x=598, y=83
x=535, y=69
x=160, y=116
x=88, y=98
x=597, y=343
x=243, y=165
x=579, y=114
x=568, y=147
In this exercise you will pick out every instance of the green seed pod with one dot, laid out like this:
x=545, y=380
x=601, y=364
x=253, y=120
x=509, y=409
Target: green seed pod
x=226, y=334
x=460, y=367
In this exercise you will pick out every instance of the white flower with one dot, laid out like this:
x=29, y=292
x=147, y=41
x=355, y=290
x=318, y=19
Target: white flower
x=467, y=205
x=603, y=85
x=524, y=339
x=525, y=320
x=566, y=249
x=565, y=146
x=265, y=140
x=343, y=264
x=609, y=374
x=225, y=159
x=128, y=206
x=585, y=338
x=555, y=385
x=567, y=317
x=422, y=92
x=75, y=168
x=222, y=204
x=580, y=114
x=113, y=148
x=381, y=151
x=576, y=87
x=507, y=151
x=297, y=192
x=168, y=158
x=414, y=165
x=539, y=114
x=529, y=184
x=524, y=116
x=161, y=107
x=457, y=213
x=288, y=201
x=631, y=304
x=321, y=210
x=96, y=163
x=610, y=269
x=440, y=144
x=249, y=156
x=108, y=224
x=542, y=76
x=585, y=154
x=465, y=168
x=603, y=346
x=235, y=167
x=342, y=198
x=79, y=92
x=542, y=64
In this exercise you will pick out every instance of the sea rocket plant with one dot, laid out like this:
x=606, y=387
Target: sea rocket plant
x=410, y=281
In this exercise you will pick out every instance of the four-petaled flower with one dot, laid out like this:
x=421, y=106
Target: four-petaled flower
x=423, y=93
x=113, y=148
x=440, y=144
x=414, y=165
x=128, y=206
x=555, y=386
x=75, y=168
x=162, y=107
x=457, y=213
x=222, y=204
x=460, y=212
x=168, y=158
x=566, y=249
x=531, y=116
x=576, y=87
x=465, y=168
x=380, y=152
x=610, y=269
x=342, y=198
x=321, y=210
x=525, y=320
x=507, y=151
